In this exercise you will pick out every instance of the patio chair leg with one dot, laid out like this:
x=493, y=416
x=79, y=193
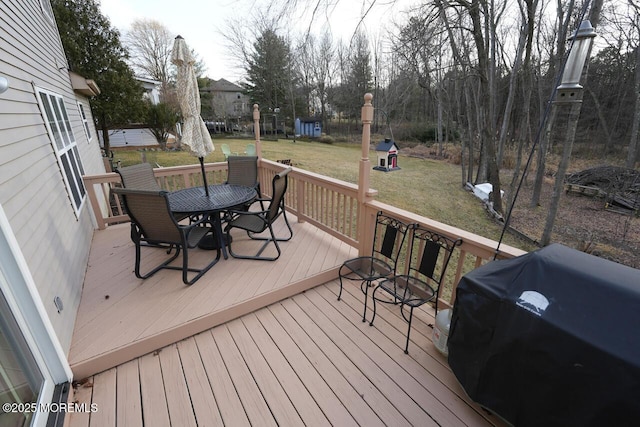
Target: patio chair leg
x=406, y=347
x=138, y=261
x=373, y=297
x=366, y=293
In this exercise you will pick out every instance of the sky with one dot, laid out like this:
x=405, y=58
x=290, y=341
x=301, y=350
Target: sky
x=202, y=23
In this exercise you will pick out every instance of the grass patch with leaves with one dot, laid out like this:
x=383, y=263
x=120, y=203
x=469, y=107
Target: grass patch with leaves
x=426, y=187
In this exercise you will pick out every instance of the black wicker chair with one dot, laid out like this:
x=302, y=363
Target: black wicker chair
x=429, y=257
x=153, y=225
x=388, y=239
x=256, y=222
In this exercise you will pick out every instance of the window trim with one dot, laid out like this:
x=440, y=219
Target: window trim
x=65, y=146
x=85, y=122
x=47, y=9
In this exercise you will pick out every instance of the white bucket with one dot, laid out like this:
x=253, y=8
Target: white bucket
x=441, y=331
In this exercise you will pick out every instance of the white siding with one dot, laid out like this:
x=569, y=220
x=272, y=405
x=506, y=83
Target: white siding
x=54, y=240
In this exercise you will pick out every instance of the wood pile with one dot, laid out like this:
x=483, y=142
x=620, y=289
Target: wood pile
x=620, y=186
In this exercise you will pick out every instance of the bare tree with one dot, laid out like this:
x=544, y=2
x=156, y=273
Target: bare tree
x=527, y=12
x=632, y=154
x=562, y=22
x=483, y=19
x=150, y=44
x=319, y=65
x=572, y=120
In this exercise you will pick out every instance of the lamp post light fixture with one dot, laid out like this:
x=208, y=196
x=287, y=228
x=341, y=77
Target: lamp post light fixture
x=570, y=87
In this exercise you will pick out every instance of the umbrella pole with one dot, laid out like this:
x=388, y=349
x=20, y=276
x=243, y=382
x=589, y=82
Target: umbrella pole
x=204, y=176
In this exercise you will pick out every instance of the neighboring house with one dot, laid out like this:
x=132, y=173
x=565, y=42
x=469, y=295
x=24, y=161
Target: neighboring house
x=387, y=151
x=47, y=142
x=151, y=89
x=228, y=100
x=310, y=126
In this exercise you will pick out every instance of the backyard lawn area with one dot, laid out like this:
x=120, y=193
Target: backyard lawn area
x=427, y=187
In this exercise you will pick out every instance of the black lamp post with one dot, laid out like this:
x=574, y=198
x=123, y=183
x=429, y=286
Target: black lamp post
x=569, y=94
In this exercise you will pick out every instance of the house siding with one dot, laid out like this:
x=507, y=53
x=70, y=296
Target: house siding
x=54, y=239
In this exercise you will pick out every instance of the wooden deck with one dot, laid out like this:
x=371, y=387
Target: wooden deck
x=122, y=317
x=306, y=360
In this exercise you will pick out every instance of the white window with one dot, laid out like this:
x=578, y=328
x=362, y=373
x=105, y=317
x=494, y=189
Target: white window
x=64, y=143
x=46, y=8
x=85, y=122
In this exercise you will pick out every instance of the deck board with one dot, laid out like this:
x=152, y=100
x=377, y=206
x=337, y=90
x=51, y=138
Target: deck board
x=128, y=395
x=203, y=400
x=144, y=315
x=329, y=320
x=308, y=359
x=252, y=400
x=175, y=383
x=388, y=333
x=152, y=391
x=253, y=343
x=225, y=392
x=271, y=337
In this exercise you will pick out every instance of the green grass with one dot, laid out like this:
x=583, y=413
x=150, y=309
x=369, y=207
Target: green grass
x=426, y=187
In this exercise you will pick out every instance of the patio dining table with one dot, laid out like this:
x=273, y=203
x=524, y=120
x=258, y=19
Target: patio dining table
x=194, y=201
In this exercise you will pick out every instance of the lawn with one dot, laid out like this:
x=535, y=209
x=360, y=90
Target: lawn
x=426, y=187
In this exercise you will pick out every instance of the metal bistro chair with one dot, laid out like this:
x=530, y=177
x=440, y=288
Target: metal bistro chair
x=257, y=222
x=152, y=223
x=429, y=257
x=388, y=239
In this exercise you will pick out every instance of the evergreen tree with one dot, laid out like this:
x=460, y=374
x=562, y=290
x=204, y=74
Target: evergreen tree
x=94, y=51
x=270, y=76
x=161, y=119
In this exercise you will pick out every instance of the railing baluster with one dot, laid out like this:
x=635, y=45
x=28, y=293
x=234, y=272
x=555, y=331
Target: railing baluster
x=326, y=203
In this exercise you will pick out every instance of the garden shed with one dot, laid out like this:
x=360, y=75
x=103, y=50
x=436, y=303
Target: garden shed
x=310, y=126
x=387, y=151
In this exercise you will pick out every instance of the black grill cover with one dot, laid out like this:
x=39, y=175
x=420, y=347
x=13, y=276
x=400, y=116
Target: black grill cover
x=550, y=338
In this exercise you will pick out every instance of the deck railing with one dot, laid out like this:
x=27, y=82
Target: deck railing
x=327, y=203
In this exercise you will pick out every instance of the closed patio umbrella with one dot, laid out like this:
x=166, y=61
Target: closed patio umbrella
x=194, y=132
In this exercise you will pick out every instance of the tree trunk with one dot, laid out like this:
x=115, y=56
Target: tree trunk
x=485, y=106
x=574, y=115
x=506, y=117
x=470, y=132
x=572, y=124
x=459, y=60
x=106, y=145
x=603, y=121
x=542, y=159
x=632, y=154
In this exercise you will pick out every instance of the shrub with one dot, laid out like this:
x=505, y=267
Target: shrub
x=326, y=139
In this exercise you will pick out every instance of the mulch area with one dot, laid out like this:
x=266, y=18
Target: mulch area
x=582, y=221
